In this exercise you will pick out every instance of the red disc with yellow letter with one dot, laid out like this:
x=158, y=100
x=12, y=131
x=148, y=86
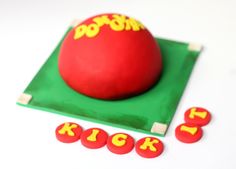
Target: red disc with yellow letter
x=68, y=132
x=188, y=133
x=149, y=147
x=110, y=56
x=94, y=138
x=120, y=143
x=197, y=115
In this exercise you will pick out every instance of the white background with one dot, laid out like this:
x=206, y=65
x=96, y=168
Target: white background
x=29, y=31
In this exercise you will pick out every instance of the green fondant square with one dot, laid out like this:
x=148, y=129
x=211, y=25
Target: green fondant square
x=139, y=113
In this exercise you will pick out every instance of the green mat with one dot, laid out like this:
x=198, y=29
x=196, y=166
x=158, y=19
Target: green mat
x=150, y=112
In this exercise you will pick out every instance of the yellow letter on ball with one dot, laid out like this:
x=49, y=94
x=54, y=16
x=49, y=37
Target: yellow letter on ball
x=92, y=30
x=80, y=31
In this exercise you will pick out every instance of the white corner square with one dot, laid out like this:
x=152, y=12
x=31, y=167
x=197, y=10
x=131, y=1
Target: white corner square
x=194, y=47
x=159, y=128
x=75, y=22
x=24, y=98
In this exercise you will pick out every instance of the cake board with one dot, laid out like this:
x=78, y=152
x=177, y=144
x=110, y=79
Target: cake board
x=150, y=112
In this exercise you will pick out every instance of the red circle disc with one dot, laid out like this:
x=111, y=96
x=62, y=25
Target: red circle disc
x=197, y=115
x=68, y=132
x=188, y=133
x=149, y=147
x=120, y=143
x=94, y=138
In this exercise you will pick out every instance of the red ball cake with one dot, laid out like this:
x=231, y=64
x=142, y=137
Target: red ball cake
x=110, y=56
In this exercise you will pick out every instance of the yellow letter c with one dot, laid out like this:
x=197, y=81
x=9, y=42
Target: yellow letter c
x=119, y=139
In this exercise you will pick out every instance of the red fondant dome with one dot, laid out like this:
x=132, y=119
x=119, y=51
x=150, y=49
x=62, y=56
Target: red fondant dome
x=110, y=56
